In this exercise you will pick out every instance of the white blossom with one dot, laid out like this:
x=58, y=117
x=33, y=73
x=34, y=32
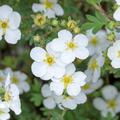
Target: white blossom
x=9, y=24
x=70, y=47
x=47, y=64
x=50, y=8
x=110, y=103
x=70, y=83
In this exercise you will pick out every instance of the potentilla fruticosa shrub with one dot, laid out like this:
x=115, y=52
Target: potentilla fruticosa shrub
x=59, y=59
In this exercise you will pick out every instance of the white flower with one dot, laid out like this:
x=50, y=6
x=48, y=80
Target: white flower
x=47, y=64
x=9, y=23
x=2, y=77
x=110, y=103
x=114, y=54
x=70, y=83
x=18, y=78
x=49, y=101
x=71, y=102
x=94, y=67
x=91, y=86
x=4, y=111
x=97, y=42
x=116, y=14
x=69, y=47
x=11, y=96
x=49, y=7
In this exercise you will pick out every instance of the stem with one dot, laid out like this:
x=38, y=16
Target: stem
x=63, y=112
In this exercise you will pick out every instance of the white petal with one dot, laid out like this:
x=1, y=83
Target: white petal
x=67, y=57
x=14, y=20
x=81, y=98
x=1, y=33
x=38, y=54
x=79, y=78
x=81, y=40
x=57, y=88
x=39, y=69
x=65, y=35
x=37, y=8
x=5, y=11
x=116, y=14
x=16, y=106
x=115, y=63
x=69, y=103
x=45, y=90
x=110, y=53
x=82, y=53
x=49, y=74
x=70, y=69
x=118, y=2
x=49, y=103
x=109, y=92
x=50, y=13
x=58, y=45
x=25, y=86
x=99, y=104
x=12, y=36
x=58, y=10
x=58, y=71
x=73, y=89
x=14, y=90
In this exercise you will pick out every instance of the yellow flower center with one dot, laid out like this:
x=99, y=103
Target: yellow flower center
x=71, y=24
x=118, y=54
x=50, y=60
x=48, y=4
x=86, y=86
x=111, y=104
x=39, y=20
x=7, y=96
x=4, y=25
x=15, y=80
x=93, y=64
x=71, y=45
x=67, y=79
x=94, y=41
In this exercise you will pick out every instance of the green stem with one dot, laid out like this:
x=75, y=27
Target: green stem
x=64, y=112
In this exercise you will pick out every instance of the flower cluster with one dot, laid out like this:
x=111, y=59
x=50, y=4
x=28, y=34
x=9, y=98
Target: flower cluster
x=9, y=99
x=55, y=63
x=9, y=24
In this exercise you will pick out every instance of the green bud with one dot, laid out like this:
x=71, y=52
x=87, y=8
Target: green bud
x=63, y=23
x=55, y=22
x=112, y=25
x=111, y=36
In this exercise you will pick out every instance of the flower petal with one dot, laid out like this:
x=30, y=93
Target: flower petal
x=67, y=57
x=57, y=88
x=49, y=103
x=100, y=104
x=58, y=10
x=38, y=54
x=79, y=77
x=14, y=20
x=39, y=69
x=70, y=69
x=5, y=11
x=65, y=35
x=82, y=53
x=73, y=89
x=12, y=36
x=109, y=92
x=37, y=7
x=116, y=14
x=81, y=40
x=45, y=90
x=115, y=63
